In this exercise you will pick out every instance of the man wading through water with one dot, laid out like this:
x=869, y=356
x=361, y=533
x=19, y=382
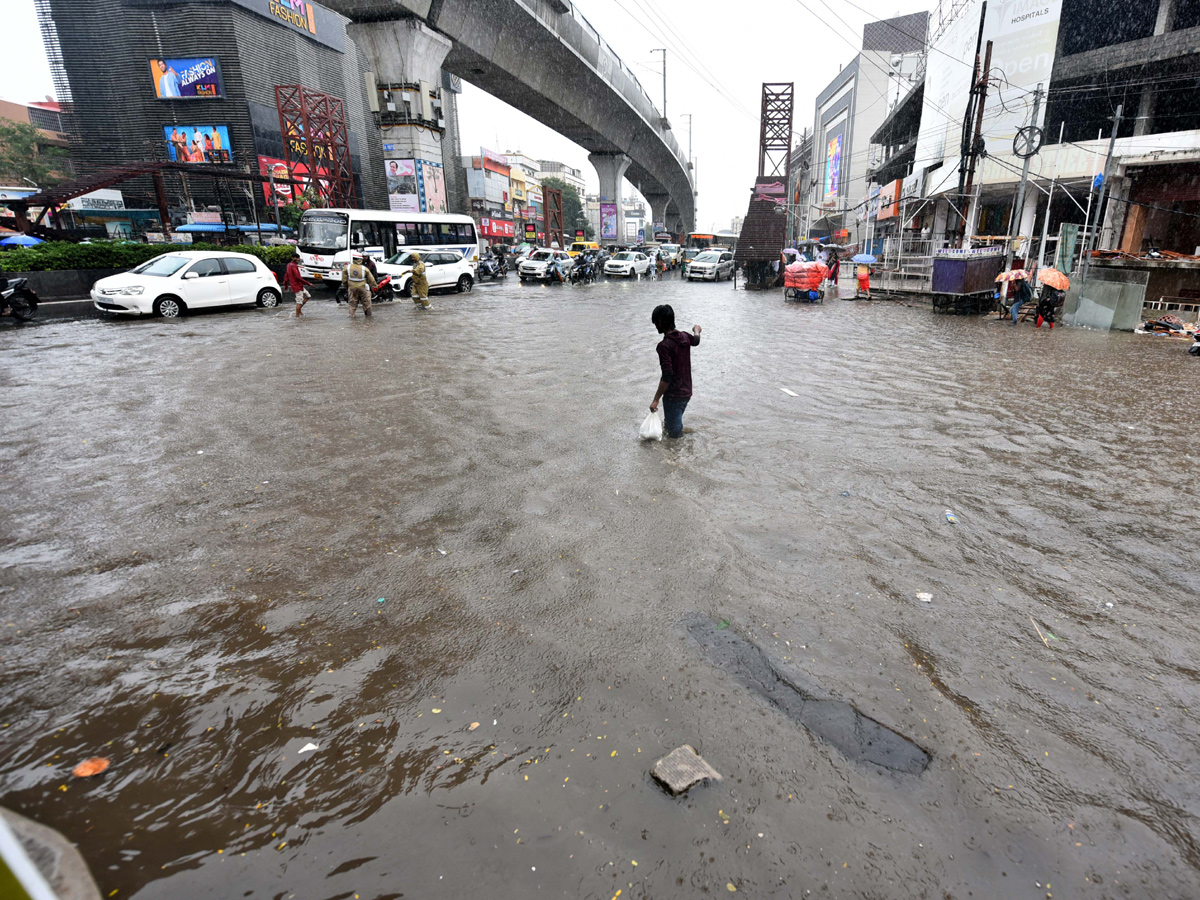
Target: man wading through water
x=675, y=359
x=420, y=284
x=357, y=277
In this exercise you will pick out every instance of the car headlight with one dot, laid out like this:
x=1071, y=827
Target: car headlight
x=131, y=291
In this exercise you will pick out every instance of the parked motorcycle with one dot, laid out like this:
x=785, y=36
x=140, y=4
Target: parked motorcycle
x=18, y=300
x=383, y=291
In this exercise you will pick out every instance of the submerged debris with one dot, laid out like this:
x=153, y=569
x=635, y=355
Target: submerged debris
x=857, y=736
x=682, y=768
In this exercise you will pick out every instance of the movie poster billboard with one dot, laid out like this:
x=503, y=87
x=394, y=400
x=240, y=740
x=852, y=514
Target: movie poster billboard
x=608, y=221
x=198, y=143
x=403, y=195
x=431, y=182
x=833, y=168
x=186, y=78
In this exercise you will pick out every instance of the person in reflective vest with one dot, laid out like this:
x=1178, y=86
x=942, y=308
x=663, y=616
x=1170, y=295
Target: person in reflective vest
x=359, y=281
x=420, y=284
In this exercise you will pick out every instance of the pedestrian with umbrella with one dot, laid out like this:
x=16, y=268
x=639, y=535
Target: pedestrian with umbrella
x=863, y=261
x=1020, y=278
x=1054, y=284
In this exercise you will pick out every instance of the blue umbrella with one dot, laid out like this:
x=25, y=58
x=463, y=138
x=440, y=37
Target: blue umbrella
x=20, y=240
x=863, y=258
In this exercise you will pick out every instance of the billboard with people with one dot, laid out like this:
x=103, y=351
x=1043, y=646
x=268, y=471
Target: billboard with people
x=608, y=221
x=186, y=78
x=403, y=195
x=198, y=143
x=833, y=168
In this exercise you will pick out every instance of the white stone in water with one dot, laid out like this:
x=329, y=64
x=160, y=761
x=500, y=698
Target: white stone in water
x=682, y=768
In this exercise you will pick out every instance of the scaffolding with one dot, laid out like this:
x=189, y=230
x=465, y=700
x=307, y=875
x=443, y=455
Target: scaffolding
x=313, y=126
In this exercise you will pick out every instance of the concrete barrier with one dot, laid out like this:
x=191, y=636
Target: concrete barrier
x=64, y=284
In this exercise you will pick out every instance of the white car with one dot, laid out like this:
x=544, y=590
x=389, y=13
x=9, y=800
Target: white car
x=674, y=254
x=711, y=265
x=537, y=263
x=171, y=284
x=628, y=263
x=443, y=269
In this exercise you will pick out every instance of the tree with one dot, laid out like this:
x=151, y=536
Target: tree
x=573, y=214
x=290, y=213
x=26, y=156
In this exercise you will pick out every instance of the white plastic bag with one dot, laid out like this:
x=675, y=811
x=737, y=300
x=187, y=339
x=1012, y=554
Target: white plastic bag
x=652, y=427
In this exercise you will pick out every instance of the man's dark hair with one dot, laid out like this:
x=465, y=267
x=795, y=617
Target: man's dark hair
x=663, y=318
x=295, y=255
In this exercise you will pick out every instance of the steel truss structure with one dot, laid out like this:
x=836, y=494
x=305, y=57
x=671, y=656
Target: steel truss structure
x=313, y=127
x=775, y=131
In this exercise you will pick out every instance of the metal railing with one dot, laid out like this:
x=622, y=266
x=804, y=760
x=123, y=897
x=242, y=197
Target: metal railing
x=905, y=264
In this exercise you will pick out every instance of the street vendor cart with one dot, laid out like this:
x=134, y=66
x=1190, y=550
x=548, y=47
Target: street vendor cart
x=964, y=281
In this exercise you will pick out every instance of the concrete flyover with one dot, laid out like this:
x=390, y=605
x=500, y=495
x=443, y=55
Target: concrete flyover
x=543, y=58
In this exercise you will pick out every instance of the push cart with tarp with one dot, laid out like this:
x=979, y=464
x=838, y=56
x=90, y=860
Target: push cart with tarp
x=964, y=281
x=802, y=281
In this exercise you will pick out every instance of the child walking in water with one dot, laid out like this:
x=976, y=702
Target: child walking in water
x=675, y=360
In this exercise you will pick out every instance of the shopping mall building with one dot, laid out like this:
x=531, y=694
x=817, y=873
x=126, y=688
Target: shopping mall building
x=195, y=81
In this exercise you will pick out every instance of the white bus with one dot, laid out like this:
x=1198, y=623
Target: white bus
x=328, y=236
x=697, y=242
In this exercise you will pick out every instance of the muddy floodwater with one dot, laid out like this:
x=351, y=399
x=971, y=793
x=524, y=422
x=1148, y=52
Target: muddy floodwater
x=231, y=536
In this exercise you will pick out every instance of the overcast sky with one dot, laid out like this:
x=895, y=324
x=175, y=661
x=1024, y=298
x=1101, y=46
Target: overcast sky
x=718, y=55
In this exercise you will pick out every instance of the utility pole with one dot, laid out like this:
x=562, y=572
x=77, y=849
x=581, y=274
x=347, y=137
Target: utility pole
x=1019, y=208
x=981, y=87
x=1049, y=200
x=1087, y=214
x=663, y=51
x=966, y=149
x=275, y=199
x=1112, y=140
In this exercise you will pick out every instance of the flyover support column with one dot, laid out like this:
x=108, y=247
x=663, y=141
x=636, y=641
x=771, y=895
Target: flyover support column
x=674, y=222
x=658, y=211
x=611, y=169
x=406, y=52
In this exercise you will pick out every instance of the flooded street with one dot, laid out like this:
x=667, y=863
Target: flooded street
x=232, y=535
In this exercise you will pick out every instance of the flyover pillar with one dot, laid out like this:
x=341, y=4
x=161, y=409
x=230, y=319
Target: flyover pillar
x=406, y=58
x=611, y=169
x=658, y=209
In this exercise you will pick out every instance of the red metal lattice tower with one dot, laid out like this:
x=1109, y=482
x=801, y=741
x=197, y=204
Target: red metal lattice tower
x=553, y=204
x=313, y=127
x=775, y=131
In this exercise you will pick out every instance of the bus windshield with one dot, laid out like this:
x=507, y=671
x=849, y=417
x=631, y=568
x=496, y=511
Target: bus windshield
x=322, y=232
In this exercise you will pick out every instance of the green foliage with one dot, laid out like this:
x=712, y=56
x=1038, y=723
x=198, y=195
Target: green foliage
x=25, y=154
x=289, y=214
x=59, y=255
x=573, y=214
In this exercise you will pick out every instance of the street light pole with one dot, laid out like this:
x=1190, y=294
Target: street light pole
x=663, y=51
